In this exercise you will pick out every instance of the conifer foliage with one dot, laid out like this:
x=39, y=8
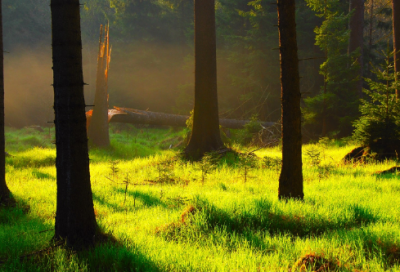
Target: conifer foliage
x=379, y=126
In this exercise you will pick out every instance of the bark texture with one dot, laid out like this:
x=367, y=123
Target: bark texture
x=98, y=132
x=291, y=177
x=75, y=219
x=396, y=38
x=134, y=116
x=4, y=191
x=205, y=133
x=356, y=26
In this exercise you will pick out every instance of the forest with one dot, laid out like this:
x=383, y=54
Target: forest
x=199, y=135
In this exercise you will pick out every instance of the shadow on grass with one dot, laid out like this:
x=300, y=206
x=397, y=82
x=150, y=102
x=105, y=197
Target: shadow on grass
x=108, y=257
x=123, y=151
x=146, y=200
x=26, y=245
x=245, y=225
x=23, y=162
x=265, y=219
x=40, y=175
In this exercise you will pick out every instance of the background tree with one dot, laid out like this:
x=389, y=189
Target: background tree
x=98, y=132
x=396, y=39
x=75, y=220
x=356, y=42
x=291, y=177
x=205, y=135
x=4, y=191
x=332, y=108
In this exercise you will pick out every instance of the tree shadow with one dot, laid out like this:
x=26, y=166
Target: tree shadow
x=245, y=225
x=23, y=162
x=275, y=222
x=26, y=245
x=41, y=175
x=109, y=257
x=146, y=201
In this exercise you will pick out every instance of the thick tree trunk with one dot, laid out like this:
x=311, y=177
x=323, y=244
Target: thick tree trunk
x=133, y=116
x=396, y=38
x=356, y=41
x=291, y=178
x=4, y=191
x=98, y=132
x=205, y=133
x=75, y=220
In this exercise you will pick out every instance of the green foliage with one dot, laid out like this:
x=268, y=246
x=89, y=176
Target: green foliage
x=337, y=100
x=165, y=171
x=381, y=110
x=207, y=164
x=274, y=163
x=247, y=161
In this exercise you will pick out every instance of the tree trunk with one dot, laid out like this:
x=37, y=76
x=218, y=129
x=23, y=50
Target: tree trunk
x=98, y=132
x=205, y=133
x=75, y=220
x=4, y=191
x=396, y=38
x=133, y=116
x=291, y=177
x=371, y=24
x=356, y=41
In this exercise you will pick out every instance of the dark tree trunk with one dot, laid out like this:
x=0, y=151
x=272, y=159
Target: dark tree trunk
x=371, y=24
x=396, y=38
x=4, y=191
x=75, y=220
x=291, y=178
x=205, y=133
x=98, y=132
x=356, y=41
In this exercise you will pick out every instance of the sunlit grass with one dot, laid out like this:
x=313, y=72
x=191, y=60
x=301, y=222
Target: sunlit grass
x=349, y=217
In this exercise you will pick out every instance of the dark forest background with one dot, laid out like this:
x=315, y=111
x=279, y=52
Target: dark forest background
x=152, y=62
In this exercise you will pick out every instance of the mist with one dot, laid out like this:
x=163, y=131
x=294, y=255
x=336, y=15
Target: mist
x=142, y=76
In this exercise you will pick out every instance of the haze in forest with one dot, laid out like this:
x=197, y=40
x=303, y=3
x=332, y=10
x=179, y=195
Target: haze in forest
x=150, y=78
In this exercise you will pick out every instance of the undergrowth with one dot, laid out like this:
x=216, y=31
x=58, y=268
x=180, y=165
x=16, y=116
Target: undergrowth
x=218, y=214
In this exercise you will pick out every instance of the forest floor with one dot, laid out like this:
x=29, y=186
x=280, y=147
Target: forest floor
x=211, y=215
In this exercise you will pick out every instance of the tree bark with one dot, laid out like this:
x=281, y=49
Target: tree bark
x=4, y=191
x=98, y=132
x=133, y=116
x=75, y=219
x=291, y=177
x=205, y=133
x=396, y=38
x=356, y=26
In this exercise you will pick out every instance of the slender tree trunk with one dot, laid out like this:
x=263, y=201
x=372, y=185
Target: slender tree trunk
x=98, y=131
x=291, y=178
x=396, y=38
x=356, y=41
x=324, y=130
x=371, y=24
x=75, y=220
x=205, y=133
x=4, y=191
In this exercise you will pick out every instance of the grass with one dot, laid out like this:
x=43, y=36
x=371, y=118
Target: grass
x=173, y=221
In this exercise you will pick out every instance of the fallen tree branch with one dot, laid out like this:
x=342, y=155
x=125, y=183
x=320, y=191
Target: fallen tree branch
x=134, y=116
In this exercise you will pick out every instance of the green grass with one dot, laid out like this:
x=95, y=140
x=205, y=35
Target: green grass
x=348, y=220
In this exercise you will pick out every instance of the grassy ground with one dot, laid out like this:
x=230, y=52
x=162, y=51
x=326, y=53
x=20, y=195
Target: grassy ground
x=177, y=216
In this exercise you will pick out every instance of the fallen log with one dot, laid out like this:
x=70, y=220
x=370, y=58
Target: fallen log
x=134, y=116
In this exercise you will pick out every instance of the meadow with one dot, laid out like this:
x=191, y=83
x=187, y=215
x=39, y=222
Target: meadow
x=220, y=214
